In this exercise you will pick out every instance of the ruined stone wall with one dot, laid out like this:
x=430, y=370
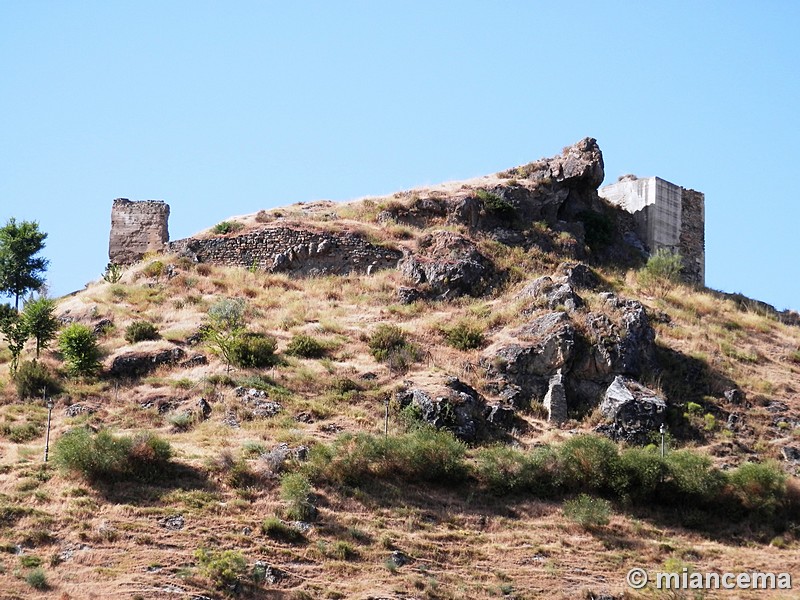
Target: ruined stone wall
x=693, y=236
x=137, y=228
x=292, y=250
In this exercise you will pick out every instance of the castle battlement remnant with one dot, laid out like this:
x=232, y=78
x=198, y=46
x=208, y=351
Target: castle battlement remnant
x=136, y=229
x=667, y=216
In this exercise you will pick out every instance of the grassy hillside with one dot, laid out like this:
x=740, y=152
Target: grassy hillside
x=339, y=511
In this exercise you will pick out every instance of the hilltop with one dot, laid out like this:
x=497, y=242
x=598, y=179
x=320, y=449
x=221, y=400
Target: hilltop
x=506, y=334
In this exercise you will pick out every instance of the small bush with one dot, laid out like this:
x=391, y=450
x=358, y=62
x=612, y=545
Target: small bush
x=140, y=331
x=78, y=346
x=113, y=273
x=589, y=463
x=641, y=471
x=599, y=228
x=154, y=269
x=226, y=568
x=37, y=579
x=464, y=336
x=106, y=457
x=276, y=529
x=296, y=492
x=495, y=205
x=227, y=227
x=691, y=478
x=306, y=346
x=425, y=454
x=587, y=511
x=759, y=487
x=662, y=271
x=254, y=350
x=389, y=344
x=33, y=378
x=19, y=434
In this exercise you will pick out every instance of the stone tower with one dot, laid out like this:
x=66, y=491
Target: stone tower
x=666, y=216
x=137, y=228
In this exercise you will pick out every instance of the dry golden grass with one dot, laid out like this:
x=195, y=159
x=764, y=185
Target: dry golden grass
x=463, y=544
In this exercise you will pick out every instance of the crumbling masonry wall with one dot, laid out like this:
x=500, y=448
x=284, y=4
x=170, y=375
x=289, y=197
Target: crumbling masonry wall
x=136, y=229
x=292, y=250
x=666, y=216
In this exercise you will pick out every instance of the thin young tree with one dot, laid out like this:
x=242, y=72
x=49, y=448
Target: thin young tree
x=13, y=330
x=20, y=269
x=40, y=321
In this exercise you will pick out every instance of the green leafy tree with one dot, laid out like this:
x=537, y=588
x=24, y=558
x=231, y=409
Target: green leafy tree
x=225, y=327
x=78, y=345
x=39, y=319
x=20, y=269
x=13, y=330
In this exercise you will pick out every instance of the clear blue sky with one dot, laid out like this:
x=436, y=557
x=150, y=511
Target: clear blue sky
x=224, y=108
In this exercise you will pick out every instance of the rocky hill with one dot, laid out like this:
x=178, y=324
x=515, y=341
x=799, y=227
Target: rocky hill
x=452, y=392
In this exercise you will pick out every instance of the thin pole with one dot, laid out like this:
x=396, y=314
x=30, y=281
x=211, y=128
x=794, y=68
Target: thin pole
x=47, y=437
x=386, y=418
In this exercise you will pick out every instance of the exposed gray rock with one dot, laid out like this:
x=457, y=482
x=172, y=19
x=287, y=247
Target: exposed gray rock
x=579, y=276
x=450, y=264
x=555, y=401
x=553, y=293
x=735, y=396
x=408, y=295
x=141, y=362
x=457, y=407
x=790, y=453
x=632, y=410
x=175, y=522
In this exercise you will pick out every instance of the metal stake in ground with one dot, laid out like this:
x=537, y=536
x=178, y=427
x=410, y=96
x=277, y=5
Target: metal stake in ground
x=50, y=405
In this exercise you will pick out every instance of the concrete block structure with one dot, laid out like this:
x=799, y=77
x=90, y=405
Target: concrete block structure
x=136, y=229
x=666, y=216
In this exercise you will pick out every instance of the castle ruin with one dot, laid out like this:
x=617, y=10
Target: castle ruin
x=136, y=229
x=667, y=216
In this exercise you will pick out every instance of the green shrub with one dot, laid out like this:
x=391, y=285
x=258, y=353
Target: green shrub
x=154, y=269
x=33, y=378
x=464, y=336
x=29, y=561
x=106, y=457
x=599, y=228
x=113, y=273
x=641, y=471
x=227, y=227
x=296, y=492
x=226, y=568
x=388, y=343
x=254, y=350
x=37, y=579
x=425, y=454
x=306, y=346
x=662, y=271
x=140, y=331
x=276, y=529
x=759, y=487
x=495, y=205
x=501, y=469
x=589, y=463
x=587, y=511
x=19, y=434
x=691, y=478
x=78, y=346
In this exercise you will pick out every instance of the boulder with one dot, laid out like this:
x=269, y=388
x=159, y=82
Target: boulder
x=621, y=341
x=453, y=405
x=141, y=362
x=521, y=370
x=631, y=410
x=450, y=264
x=552, y=293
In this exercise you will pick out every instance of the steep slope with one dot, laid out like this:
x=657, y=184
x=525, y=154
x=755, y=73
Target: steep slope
x=506, y=313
